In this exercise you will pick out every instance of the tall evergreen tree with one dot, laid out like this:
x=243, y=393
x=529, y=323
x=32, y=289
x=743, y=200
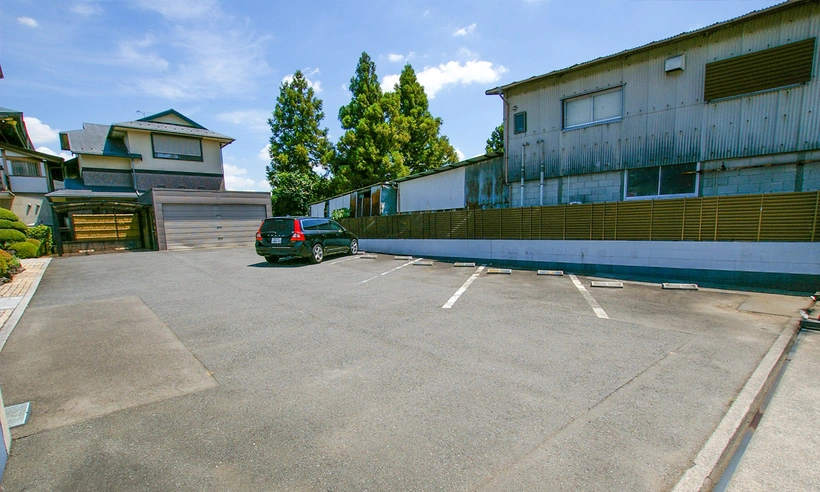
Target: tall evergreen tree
x=298, y=145
x=426, y=148
x=370, y=149
x=496, y=141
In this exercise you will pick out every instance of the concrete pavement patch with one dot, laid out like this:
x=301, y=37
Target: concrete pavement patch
x=75, y=364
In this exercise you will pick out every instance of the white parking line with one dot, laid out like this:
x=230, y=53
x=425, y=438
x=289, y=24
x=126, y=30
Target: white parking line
x=592, y=302
x=463, y=288
x=389, y=271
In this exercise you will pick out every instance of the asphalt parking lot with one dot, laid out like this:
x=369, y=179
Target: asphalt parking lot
x=213, y=370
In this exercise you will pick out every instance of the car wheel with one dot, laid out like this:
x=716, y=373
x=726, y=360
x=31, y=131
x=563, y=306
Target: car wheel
x=354, y=246
x=271, y=259
x=317, y=254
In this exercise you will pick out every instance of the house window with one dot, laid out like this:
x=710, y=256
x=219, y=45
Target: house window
x=520, y=120
x=668, y=181
x=783, y=66
x=176, y=147
x=24, y=168
x=591, y=109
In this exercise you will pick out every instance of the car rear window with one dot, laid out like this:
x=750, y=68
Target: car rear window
x=281, y=227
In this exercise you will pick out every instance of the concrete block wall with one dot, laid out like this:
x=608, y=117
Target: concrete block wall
x=584, y=188
x=811, y=176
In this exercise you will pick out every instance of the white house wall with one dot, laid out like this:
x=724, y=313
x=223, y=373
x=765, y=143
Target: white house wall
x=140, y=143
x=441, y=191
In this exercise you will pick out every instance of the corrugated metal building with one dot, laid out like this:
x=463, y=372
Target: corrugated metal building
x=733, y=108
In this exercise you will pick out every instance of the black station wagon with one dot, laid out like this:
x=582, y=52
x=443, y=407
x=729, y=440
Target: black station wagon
x=305, y=237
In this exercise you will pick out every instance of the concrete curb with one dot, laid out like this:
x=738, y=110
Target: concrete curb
x=8, y=327
x=710, y=463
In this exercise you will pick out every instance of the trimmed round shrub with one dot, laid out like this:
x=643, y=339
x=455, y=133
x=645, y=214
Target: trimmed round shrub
x=9, y=224
x=25, y=249
x=36, y=243
x=11, y=235
x=7, y=214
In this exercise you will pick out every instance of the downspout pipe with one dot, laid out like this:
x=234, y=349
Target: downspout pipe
x=541, y=187
x=523, y=158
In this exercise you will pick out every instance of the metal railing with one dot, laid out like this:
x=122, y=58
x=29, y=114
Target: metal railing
x=764, y=217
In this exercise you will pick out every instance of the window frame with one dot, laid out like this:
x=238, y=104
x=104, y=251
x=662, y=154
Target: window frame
x=35, y=164
x=593, y=121
x=522, y=114
x=176, y=157
x=657, y=196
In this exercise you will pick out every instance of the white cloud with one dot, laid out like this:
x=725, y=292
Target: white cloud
x=181, y=9
x=27, y=21
x=255, y=120
x=39, y=132
x=389, y=82
x=464, y=30
x=395, y=58
x=236, y=180
x=315, y=85
x=217, y=55
x=63, y=154
x=86, y=8
x=460, y=155
x=132, y=54
x=264, y=153
x=452, y=73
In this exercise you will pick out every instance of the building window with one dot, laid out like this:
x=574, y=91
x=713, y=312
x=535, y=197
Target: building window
x=176, y=147
x=668, y=181
x=592, y=109
x=783, y=66
x=24, y=168
x=520, y=120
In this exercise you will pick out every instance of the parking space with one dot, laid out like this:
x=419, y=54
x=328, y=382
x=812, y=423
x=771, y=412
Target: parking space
x=381, y=374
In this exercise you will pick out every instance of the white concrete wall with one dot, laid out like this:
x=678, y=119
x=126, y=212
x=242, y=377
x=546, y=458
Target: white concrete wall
x=790, y=258
x=442, y=191
x=140, y=143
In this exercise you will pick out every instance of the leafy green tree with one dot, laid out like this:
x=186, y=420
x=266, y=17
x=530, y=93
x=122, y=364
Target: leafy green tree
x=293, y=192
x=370, y=149
x=298, y=145
x=496, y=141
x=425, y=148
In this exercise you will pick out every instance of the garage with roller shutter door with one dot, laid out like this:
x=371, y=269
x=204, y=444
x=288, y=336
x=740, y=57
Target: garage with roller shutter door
x=206, y=219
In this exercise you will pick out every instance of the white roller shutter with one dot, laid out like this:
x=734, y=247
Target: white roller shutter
x=210, y=226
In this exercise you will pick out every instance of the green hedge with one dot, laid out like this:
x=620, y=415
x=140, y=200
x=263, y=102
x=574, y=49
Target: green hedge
x=5, y=262
x=41, y=233
x=11, y=236
x=25, y=249
x=7, y=214
x=9, y=224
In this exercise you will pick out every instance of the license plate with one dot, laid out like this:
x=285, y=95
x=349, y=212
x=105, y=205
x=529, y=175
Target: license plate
x=276, y=240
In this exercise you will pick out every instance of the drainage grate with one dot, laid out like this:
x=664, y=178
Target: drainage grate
x=18, y=415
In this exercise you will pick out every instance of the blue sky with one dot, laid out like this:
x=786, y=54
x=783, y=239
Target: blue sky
x=221, y=63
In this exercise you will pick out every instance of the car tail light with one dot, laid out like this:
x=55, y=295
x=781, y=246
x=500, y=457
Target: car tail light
x=298, y=235
x=259, y=233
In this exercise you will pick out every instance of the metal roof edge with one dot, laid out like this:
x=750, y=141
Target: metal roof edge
x=42, y=155
x=652, y=45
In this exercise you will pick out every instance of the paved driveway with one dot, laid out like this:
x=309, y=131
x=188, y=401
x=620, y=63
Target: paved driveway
x=212, y=370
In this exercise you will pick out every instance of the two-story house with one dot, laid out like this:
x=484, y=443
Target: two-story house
x=729, y=109
x=23, y=171
x=156, y=183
